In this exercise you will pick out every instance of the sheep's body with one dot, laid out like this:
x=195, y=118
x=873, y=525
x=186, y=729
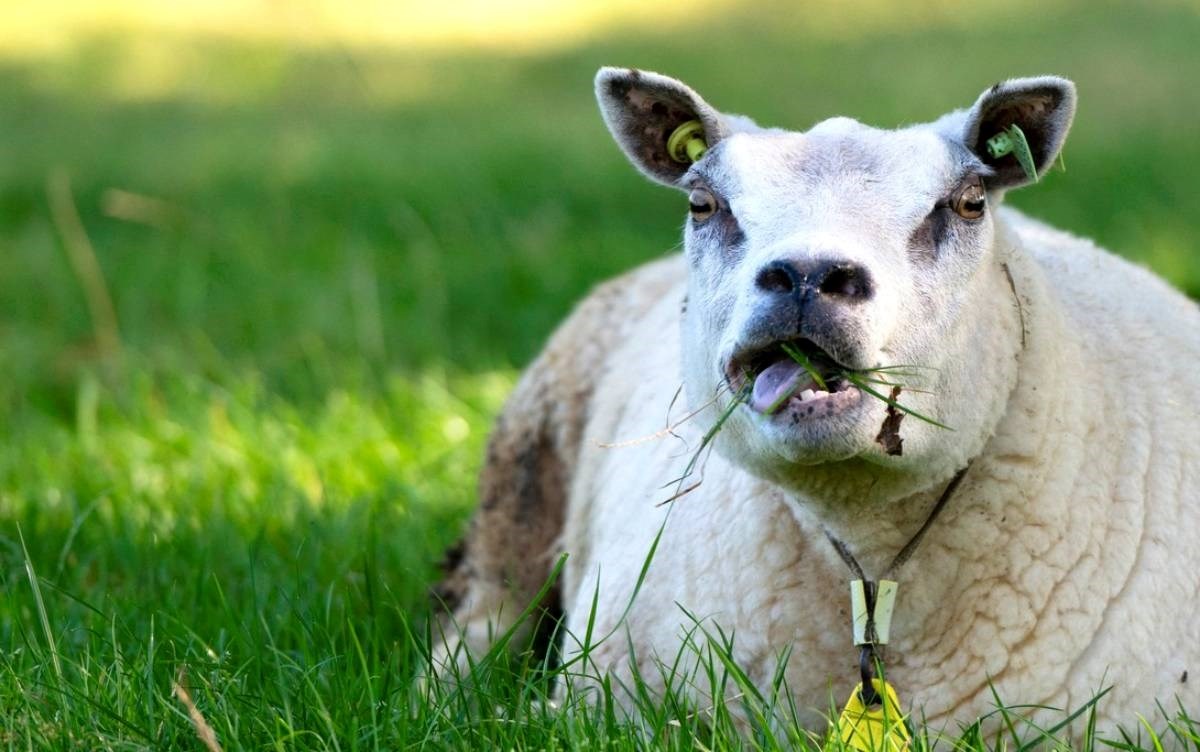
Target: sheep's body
x=1070, y=548
x=1065, y=563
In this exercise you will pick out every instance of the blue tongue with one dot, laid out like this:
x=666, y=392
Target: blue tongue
x=778, y=382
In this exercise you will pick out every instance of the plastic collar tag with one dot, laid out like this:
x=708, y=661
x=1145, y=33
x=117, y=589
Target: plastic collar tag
x=686, y=143
x=878, y=728
x=1012, y=140
x=885, y=604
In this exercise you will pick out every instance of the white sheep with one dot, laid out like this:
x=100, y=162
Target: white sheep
x=1066, y=561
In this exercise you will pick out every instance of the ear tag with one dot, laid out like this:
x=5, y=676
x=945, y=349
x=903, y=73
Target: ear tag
x=1012, y=140
x=686, y=143
x=875, y=728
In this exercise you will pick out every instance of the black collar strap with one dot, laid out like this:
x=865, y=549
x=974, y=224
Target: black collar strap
x=909, y=548
x=867, y=658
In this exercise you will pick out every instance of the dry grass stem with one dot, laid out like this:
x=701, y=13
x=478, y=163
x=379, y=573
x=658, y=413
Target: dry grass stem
x=84, y=263
x=669, y=430
x=204, y=732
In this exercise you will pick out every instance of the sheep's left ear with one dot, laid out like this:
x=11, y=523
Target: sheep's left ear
x=642, y=110
x=1041, y=107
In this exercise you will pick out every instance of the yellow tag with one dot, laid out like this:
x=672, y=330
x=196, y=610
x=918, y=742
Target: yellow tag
x=879, y=728
x=686, y=143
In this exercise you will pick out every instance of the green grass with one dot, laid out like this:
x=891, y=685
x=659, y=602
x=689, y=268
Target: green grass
x=329, y=295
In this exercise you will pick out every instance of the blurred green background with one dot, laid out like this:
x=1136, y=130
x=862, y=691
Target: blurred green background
x=330, y=235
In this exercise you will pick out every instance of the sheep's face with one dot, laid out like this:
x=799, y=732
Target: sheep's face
x=853, y=248
x=828, y=264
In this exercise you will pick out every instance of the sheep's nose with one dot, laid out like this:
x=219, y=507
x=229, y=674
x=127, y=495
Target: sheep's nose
x=838, y=279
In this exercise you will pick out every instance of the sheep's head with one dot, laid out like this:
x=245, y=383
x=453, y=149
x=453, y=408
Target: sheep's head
x=853, y=246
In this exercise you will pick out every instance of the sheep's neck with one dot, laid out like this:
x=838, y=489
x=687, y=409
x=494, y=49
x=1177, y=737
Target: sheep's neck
x=905, y=553
x=876, y=534
x=877, y=515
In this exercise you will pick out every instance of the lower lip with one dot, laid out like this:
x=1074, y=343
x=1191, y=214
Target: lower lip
x=796, y=410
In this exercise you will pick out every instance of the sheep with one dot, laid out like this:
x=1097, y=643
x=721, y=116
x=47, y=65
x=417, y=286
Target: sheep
x=1058, y=384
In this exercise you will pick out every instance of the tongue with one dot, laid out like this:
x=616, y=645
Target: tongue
x=776, y=383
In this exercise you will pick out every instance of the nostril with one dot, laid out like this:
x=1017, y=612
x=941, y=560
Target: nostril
x=847, y=281
x=841, y=279
x=777, y=277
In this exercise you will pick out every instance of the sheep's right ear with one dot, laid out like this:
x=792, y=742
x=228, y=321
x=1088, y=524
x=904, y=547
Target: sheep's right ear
x=643, y=109
x=1041, y=107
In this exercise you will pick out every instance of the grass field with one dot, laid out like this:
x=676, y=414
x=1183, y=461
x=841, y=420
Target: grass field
x=236, y=446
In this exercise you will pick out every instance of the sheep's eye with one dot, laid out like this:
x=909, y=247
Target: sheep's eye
x=969, y=199
x=702, y=204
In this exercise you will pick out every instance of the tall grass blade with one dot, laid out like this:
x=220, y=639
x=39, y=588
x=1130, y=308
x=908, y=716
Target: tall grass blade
x=43, y=616
x=1087, y=707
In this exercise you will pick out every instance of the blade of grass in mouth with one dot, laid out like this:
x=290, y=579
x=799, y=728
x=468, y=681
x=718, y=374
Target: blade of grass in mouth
x=857, y=381
x=803, y=360
x=884, y=382
x=771, y=408
x=904, y=371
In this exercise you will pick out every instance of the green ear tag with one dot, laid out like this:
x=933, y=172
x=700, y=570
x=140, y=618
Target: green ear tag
x=1012, y=141
x=686, y=143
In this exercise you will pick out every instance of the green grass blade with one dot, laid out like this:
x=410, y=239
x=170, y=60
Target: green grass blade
x=40, y=604
x=1153, y=734
x=803, y=360
x=1022, y=152
x=854, y=379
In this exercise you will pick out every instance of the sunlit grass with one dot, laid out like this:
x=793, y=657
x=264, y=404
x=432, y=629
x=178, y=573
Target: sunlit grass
x=179, y=524
x=173, y=456
x=518, y=26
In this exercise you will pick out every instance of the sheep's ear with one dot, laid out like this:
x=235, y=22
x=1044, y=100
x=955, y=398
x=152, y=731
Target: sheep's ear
x=1042, y=108
x=643, y=109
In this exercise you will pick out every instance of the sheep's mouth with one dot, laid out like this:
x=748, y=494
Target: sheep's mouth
x=796, y=376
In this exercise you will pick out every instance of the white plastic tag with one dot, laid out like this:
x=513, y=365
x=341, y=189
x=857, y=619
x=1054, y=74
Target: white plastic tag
x=885, y=604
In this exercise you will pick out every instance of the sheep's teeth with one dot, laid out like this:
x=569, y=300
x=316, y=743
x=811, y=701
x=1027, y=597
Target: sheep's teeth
x=807, y=394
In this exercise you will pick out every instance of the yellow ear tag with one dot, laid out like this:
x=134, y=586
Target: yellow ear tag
x=686, y=143
x=878, y=728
